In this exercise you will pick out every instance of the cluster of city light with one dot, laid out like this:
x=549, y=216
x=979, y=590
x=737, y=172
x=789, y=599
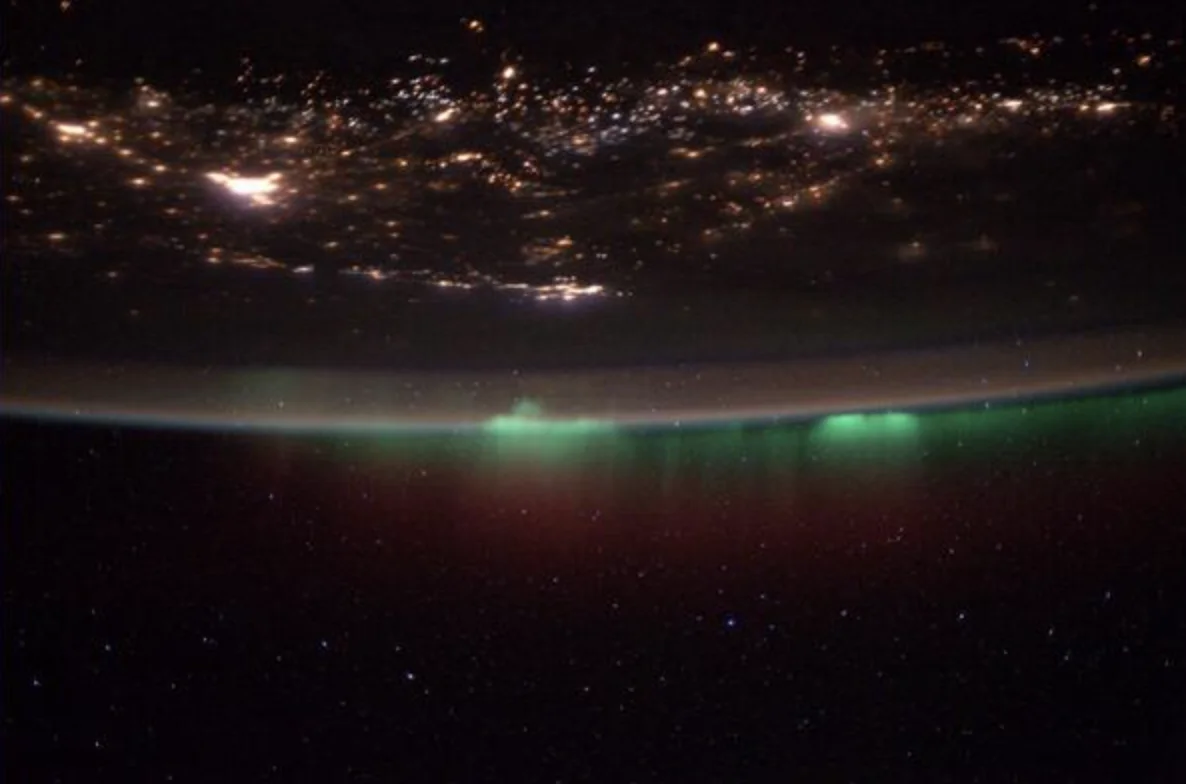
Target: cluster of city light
x=256, y=190
x=832, y=122
x=352, y=162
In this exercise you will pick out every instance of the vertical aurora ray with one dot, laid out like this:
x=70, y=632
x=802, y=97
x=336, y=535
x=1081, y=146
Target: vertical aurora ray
x=526, y=434
x=889, y=437
x=523, y=480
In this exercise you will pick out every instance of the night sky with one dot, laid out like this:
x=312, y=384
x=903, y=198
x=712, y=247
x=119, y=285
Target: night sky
x=139, y=35
x=964, y=597
x=653, y=392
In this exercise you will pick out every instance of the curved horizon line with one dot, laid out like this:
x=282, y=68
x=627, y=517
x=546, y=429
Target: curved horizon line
x=325, y=401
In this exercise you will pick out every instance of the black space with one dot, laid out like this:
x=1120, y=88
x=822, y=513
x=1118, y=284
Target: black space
x=197, y=607
x=156, y=39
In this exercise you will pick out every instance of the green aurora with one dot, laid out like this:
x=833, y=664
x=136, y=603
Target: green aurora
x=1095, y=426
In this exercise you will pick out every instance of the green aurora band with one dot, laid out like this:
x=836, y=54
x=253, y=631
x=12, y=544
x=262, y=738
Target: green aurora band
x=1095, y=427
